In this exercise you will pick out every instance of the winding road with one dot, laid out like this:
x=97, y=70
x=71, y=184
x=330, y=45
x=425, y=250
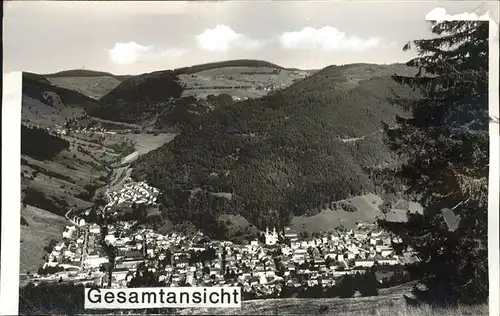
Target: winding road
x=121, y=170
x=355, y=139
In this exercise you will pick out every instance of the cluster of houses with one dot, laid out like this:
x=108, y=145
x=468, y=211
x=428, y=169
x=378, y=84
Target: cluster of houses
x=282, y=258
x=60, y=130
x=93, y=130
x=285, y=259
x=198, y=261
x=133, y=193
x=63, y=130
x=236, y=98
x=360, y=247
x=274, y=87
x=324, y=258
x=69, y=259
x=57, y=129
x=260, y=268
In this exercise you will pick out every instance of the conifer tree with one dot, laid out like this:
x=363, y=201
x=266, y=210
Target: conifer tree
x=369, y=284
x=445, y=150
x=346, y=288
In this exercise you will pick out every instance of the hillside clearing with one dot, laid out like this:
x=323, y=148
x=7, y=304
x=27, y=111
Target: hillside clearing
x=94, y=87
x=367, y=211
x=43, y=226
x=147, y=142
x=241, y=82
x=389, y=302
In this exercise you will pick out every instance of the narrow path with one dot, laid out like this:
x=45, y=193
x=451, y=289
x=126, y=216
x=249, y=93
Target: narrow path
x=146, y=146
x=355, y=139
x=67, y=215
x=119, y=172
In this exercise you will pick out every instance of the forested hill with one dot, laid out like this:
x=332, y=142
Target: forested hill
x=143, y=96
x=39, y=88
x=39, y=144
x=81, y=73
x=282, y=154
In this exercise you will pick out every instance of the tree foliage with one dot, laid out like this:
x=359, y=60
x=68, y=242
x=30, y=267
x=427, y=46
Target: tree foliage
x=368, y=284
x=142, y=97
x=347, y=286
x=270, y=158
x=50, y=298
x=446, y=143
x=39, y=144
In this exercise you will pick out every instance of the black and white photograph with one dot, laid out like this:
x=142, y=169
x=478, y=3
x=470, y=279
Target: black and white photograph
x=288, y=157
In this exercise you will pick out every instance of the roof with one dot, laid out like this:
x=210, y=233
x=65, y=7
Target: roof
x=367, y=260
x=450, y=218
x=133, y=254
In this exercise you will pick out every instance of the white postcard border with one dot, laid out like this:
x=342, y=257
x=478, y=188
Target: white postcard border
x=11, y=194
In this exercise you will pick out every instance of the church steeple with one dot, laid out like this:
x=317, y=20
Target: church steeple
x=271, y=239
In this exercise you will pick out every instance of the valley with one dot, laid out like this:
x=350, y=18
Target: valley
x=69, y=181
x=305, y=159
x=230, y=149
x=101, y=148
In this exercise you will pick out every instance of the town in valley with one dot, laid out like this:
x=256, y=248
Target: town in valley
x=262, y=267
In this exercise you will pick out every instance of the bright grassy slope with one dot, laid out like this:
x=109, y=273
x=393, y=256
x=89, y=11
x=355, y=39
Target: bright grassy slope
x=43, y=226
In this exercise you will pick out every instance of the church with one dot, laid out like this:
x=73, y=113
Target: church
x=271, y=238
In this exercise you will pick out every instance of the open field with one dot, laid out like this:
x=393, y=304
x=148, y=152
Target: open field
x=45, y=104
x=242, y=82
x=147, y=142
x=94, y=87
x=80, y=164
x=68, y=179
x=38, y=113
x=403, y=310
x=367, y=211
x=389, y=302
x=60, y=181
x=43, y=226
x=349, y=76
x=143, y=144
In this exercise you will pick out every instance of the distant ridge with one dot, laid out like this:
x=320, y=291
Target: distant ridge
x=284, y=154
x=34, y=85
x=33, y=77
x=227, y=63
x=139, y=97
x=84, y=73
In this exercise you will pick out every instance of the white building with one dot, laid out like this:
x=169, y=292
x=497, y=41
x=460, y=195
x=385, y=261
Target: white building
x=388, y=261
x=271, y=238
x=95, y=229
x=386, y=252
x=92, y=262
x=290, y=234
x=364, y=263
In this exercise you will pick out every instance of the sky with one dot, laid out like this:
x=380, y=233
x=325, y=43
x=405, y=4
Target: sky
x=138, y=37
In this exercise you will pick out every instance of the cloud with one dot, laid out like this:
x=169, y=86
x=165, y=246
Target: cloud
x=440, y=14
x=130, y=53
x=326, y=38
x=222, y=38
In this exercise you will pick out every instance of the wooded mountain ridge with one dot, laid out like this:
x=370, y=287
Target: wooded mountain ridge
x=289, y=153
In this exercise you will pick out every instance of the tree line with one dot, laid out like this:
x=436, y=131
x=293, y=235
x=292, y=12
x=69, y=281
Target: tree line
x=39, y=144
x=445, y=145
x=279, y=156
